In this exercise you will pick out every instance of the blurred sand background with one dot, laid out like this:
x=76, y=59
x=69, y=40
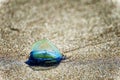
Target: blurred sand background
x=87, y=30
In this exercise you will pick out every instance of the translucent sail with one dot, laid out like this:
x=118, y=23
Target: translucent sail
x=45, y=45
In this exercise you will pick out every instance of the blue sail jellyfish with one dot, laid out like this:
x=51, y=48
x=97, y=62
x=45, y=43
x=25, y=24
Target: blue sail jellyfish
x=44, y=53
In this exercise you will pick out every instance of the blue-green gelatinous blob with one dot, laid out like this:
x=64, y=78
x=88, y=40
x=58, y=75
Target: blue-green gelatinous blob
x=44, y=53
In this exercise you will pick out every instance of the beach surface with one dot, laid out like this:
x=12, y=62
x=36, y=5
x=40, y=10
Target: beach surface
x=86, y=30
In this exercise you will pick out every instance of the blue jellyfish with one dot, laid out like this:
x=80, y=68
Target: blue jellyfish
x=44, y=53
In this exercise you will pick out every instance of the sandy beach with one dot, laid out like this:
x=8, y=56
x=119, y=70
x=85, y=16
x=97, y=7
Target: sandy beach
x=86, y=30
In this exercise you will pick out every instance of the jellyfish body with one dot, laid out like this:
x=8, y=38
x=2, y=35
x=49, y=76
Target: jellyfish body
x=44, y=53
